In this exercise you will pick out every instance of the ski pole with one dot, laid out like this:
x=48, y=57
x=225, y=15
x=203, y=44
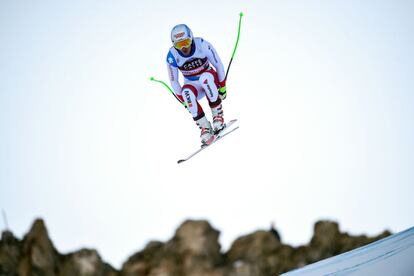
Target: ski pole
x=235, y=47
x=172, y=92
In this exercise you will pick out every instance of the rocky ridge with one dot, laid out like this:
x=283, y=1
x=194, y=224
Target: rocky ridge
x=194, y=250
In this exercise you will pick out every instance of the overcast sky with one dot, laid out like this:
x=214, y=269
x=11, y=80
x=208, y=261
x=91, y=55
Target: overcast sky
x=323, y=91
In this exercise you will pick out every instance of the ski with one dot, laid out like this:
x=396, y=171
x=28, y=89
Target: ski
x=218, y=136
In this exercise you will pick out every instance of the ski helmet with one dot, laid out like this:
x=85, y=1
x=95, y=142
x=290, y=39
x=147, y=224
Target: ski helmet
x=181, y=36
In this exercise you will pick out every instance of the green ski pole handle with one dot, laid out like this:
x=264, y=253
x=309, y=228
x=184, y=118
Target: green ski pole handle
x=169, y=89
x=237, y=43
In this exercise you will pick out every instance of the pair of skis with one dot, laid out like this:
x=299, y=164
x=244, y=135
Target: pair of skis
x=224, y=132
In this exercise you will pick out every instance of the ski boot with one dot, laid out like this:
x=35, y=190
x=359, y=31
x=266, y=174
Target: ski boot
x=207, y=133
x=218, y=120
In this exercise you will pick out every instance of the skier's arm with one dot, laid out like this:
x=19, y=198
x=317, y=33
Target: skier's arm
x=173, y=74
x=215, y=60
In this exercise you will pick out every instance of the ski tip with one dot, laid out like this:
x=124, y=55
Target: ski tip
x=180, y=161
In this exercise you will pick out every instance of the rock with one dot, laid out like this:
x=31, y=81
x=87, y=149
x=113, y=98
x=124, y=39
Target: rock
x=194, y=250
x=39, y=255
x=155, y=259
x=36, y=255
x=324, y=242
x=85, y=262
x=197, y=243
x=10, y=253
x=255, y=253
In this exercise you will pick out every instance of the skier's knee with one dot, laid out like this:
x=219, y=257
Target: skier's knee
x=189, y=94
x=209, y=86
x=207, y=77
x=190, y=88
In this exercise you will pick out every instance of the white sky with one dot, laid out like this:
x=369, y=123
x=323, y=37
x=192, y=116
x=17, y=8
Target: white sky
x=323, y=91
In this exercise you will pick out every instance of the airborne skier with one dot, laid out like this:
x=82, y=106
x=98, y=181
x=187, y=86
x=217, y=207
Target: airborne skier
x=193, y=56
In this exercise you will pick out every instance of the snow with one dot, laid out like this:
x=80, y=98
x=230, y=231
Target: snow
x=393, y=255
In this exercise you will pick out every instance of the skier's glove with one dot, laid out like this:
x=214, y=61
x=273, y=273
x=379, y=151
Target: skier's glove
x=222, y=90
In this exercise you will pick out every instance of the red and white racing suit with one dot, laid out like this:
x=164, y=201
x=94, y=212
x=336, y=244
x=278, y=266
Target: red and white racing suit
x=200, y=79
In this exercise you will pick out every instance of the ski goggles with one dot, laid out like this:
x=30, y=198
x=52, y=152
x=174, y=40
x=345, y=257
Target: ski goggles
x=183, y=43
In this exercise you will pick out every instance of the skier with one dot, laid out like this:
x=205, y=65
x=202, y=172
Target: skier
x=193, y=56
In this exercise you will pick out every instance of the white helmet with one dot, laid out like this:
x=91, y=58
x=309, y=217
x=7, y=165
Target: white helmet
x=181, y=36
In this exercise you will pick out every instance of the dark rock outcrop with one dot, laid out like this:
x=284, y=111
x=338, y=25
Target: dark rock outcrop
x=194, y=250
x=10, y=254
x=39, y=256
x=36, y=255
x=255, y=252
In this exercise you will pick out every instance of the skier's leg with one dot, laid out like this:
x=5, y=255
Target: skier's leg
x=189, y=95
x=209, y=82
